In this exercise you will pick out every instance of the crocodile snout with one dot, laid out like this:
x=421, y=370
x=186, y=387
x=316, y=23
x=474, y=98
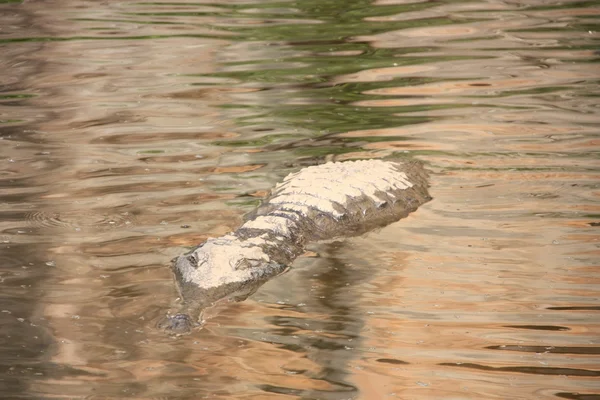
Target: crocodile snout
x=178, y=324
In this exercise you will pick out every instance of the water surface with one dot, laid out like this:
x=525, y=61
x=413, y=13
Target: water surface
x=131, y=131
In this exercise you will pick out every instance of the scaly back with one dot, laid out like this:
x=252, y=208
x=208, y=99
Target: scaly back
x=348, y=198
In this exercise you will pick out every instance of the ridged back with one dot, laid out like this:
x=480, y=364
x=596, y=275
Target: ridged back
x=348, y=198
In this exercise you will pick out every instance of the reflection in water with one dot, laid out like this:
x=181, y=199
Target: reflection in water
x=133, y=130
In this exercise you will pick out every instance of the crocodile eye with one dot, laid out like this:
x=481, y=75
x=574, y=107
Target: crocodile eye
x=196, y=259
x=192, y=259
x=246, y=263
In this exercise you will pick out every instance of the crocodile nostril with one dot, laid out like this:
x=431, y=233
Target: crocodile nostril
x=178, y=324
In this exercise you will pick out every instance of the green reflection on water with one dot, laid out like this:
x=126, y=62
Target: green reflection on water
x=125, y=21
x=244, y=203
x=560, y=5
x=342, y=118
x=151, y=151
x=319, y=151
x=318, y=69
x=16, y=96
x=331, y=107
x=253, y=143
x=76, y=38
x=317, y=34
x=542, y=90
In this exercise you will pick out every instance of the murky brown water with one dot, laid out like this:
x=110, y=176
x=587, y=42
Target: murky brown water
x=131, y=131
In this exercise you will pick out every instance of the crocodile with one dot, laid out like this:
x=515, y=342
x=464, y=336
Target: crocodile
x=318, y=203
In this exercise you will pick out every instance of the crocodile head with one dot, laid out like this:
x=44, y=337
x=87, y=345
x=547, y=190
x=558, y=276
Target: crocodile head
x=222, y=261
x=225, y=268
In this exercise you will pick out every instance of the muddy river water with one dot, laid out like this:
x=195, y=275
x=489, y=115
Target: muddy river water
x=131, y=131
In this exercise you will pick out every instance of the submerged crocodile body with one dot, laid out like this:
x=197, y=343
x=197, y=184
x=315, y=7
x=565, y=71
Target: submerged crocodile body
x=329, y=201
